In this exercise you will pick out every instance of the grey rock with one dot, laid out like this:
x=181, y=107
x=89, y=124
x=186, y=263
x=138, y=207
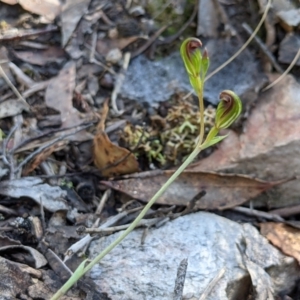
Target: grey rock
x=288, y=48
x=155, y=81
x=210, y=243
x=290, y=18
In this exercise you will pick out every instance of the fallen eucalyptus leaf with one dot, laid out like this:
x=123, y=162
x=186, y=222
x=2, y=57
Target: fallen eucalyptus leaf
x=12, y=107
x=34, y=188
x=223, y=191
x=36, y=259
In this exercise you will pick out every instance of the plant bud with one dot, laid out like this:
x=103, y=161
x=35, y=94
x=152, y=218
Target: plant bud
x=191, y=56
x=228, y=110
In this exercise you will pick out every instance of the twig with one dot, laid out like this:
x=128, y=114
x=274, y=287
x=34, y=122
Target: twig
x=36, y=88
x=143, y=222
x=87, y=239
x=119, y=82
x=258, y=213
x=21, y=76
x=180, y=278
x=102, y=202
x=23, y=34
x=42, y=212
x=14, y=89
x=212, y=284
x=51, y=143
x=8, y=211
x=16, y=149
x=149, y=41
x=285, y=72
x=286, y=211
x=93, y=47
x=93, y=53
x=162, y=9
x=6, y=161
x=263, y=48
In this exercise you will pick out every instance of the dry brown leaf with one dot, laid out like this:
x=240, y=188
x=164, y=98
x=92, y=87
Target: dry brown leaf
x=59, y=96
x=12, y=107
x=284, y=237
x=72, y=12
x=42, y=57
x=43, y=156
x=10, y=2
x=109, y=158
x=223, y=191
x=49, y=9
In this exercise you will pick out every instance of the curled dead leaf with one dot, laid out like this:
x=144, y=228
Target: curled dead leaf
x=43, y=156
x=111, y=159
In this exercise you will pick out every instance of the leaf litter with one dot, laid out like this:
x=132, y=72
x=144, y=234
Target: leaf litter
x=64, y=59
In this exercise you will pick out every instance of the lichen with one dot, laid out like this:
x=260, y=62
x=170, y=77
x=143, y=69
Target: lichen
x=168, y=140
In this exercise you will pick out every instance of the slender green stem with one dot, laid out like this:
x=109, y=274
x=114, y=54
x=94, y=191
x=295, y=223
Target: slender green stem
x=78, y=274
x=201, y=105
x=74, y=278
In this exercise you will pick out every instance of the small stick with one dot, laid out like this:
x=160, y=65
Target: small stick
x=21, y=147
x=149, y=41
x=102, y=202
x=5, y=143
x=286, y=211
x=42, y=214
x=258, y=213
x=8, y=161
x=180, y=278
x=21, y=76
x=42, y=148
x=14, y=89
x=93, y=53
x=76, y=247
x=8, y=211
x=285, y=72
x=212, y=284
x=119, y=82
x=263, y=48
x=24, y=34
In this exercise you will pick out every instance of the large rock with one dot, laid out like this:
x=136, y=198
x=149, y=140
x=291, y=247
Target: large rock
x=210, y=243
x=155, y=81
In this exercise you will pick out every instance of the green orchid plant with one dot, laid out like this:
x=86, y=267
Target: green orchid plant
x=228, y=110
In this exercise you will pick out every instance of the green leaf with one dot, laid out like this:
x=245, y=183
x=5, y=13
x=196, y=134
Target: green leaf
x=228, y=110
x=213, y=141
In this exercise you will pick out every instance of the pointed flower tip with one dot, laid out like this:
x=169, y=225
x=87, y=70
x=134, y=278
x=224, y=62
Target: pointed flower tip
x=205, y=54
x=228, y=110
